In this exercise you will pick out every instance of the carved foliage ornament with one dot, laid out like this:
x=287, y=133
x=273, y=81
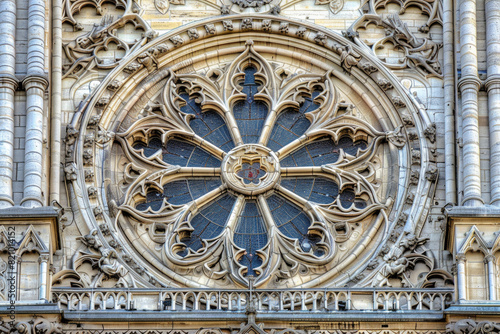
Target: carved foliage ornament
x=418, y=48
x=230, y=188
x=83, y=53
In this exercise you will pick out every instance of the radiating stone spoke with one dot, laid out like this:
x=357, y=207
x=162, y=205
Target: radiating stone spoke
x=211, y=148
x=233, y=218
x=302, y=171
x=233, y=128
x=286, y=150
x=293, y=197
x=268, y=126
x=208, y=197
x=266, y=213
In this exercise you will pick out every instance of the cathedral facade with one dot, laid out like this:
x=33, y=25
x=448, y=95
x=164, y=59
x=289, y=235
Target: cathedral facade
x=250, y=166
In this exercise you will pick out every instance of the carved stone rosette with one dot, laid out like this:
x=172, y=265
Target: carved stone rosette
x=221, y=168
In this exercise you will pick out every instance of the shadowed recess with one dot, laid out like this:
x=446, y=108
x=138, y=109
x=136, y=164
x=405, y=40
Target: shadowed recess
x=294, y=223
x=250, y=114
x=209, y=125
x=292, y=123
x=319, y=189
x=250, y=234
x=322, y=151
x=179, y=192
x=208, y=223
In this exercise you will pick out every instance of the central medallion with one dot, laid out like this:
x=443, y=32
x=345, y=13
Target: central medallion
x=250, y=169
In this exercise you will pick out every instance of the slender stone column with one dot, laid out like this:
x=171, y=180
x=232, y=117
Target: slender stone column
x=8, y=84
x=35, y=84
x=462, y=289
x=492, y=9
x=469, y=86
x=56, y=88
x=42, y=292
x=449, y=101
x=492, y=287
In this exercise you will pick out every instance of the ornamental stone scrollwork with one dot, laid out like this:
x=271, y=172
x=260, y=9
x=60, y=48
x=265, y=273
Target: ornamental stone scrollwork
x=250, y=166
x=164, y=5
x=84, y=53
x=334, y=5
x=469, y=326
x=420, y=53
x=400, y=259
x=37, y=325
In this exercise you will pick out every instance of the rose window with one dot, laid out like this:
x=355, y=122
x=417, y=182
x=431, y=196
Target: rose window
x=233, y=175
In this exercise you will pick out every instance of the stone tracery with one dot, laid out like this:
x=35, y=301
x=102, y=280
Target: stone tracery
x=289, y=212
x=150, y=205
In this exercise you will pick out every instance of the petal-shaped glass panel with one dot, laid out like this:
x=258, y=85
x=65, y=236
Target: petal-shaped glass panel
x=154, y=200
x=153, y=146
x=292, y=123
x=251, y=235
x=348, y=198
x=179, y=192
x=209, y=125
x=319, y=189
x=293, y=222
x=186, y=154
x=184, y=191
x=321, y=152
x=250, y=114
x=208, y=223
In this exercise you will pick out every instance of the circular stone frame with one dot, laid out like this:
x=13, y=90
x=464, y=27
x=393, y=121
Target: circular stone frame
x=102, y=113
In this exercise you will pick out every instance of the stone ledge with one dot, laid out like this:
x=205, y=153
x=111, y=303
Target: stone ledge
x=483, y=308
x=31, y=308
x=18, y=212
x=473, y=212
x=194, y=316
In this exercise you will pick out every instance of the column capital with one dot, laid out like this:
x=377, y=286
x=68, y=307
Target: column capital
x=492, y=82
x=460, y=257
x=37, y=81
x=43, y=258
x=8, y=81
x=489, y=258
x=469, y=81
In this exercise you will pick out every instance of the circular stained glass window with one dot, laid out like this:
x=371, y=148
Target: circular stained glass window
x=232, y=175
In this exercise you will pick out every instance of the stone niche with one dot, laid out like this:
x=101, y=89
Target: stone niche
x=28, y=241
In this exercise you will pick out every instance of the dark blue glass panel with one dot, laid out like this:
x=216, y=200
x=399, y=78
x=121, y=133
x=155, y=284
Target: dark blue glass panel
x=188, y=155
x=179, y=192
x=294, y=223
x=208, y=125
x=250, y=114
x=154, y=199
x=322, y=151
x=320, y=190
x=251, y=235
x=184, y=191
x=208, y=223
x=153, y=146
x=292, y=123
x=348, y=197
